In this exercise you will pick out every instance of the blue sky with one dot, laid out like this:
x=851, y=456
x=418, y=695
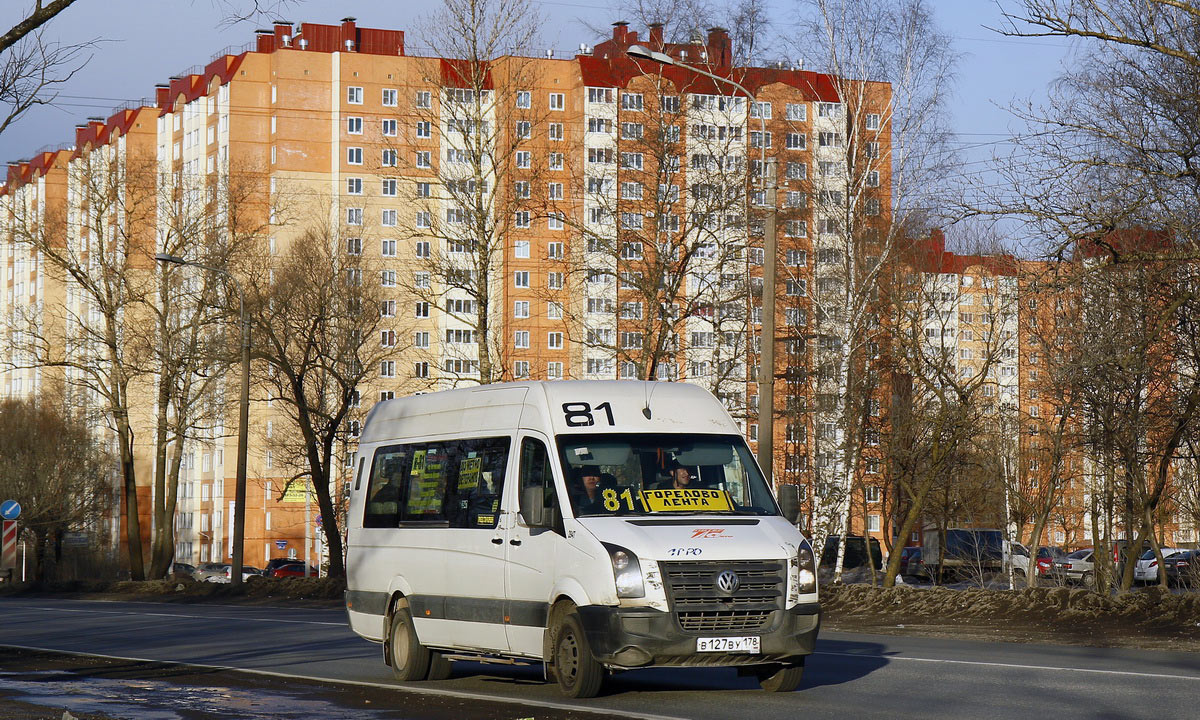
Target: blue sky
x=142, y=43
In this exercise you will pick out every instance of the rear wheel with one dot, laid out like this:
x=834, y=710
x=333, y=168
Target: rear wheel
x=439, y=666
x=1087, y=578
x=781, y=678
x=578, y=673
x=410, y=659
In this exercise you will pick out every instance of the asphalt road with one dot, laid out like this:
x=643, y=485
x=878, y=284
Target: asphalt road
x=851, y=675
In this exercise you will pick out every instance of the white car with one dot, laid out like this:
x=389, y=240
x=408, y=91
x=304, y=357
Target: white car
x=1146, y=569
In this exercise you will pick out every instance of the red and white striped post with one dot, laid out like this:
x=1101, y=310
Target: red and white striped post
x=8, y=546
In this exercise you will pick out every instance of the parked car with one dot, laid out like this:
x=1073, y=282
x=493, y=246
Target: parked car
x=856, y=552
x=1146, y=569
x=1077, y=566
x=910, y=561
x=276, y=562
x=967, y=552
x=183, y=570
x=212, y=572
x=247, y=573
x=1183, y=568
x=295, y=569
x=1046, y=556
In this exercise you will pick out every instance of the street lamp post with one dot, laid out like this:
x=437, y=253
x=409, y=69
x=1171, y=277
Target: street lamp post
x=766, y=368
x=239, y=493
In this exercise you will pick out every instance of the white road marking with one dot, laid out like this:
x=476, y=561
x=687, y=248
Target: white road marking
x=1013, y=666
x=385, y=686
x=190, y=617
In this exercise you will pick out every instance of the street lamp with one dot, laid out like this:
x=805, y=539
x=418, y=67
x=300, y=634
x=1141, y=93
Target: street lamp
x=766, y=369
x=239, y=493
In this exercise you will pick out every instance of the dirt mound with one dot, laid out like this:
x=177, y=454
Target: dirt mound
x=324, y=591
x=1067, y=611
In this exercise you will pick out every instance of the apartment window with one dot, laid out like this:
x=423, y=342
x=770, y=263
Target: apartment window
x=828, y=168
x=829, y=110
x=760, y=110
x=872, y=150
x=424, y=99
x=387, y=248
x=354, y=95
x=524, y=159
x=354, y=246
x=354, y=156
x=797, y=288
x=797, y=112
x=556, y=161
x=521, y=279
x=524, y=98
x=521, y=309
x=631, y=190
x=797, y=141
x=421, y=279
x=554, y=340
x=354, y=186
x=388, y=187
x=669, y=103
x=555, y=131
x=521, y=249
x=354, y=216
x=421, y=369
x=524, y=129
x=387, y=338
x=521, y=189
x=797, y=171
x=424, y=129
x=796, y=257
x=354, y=125
x=389, y=97
x=388, y=218
x=556, y=101
x=600, y=95
x=829, y=139
x=421, y=309
x=873, y=522
x=600, y=155
x=555, y=221
x=522, y=218
x=554, y=281
x=873, y=178
x=554, y=371
x=389, y=158
x=421, y=249
x=387, y=278
x=631, y=131
x=521, y=339
x=389, y=128
x=797, y=228
x=424, y=219
x=599, y=125
x=872, y=121
x=387, y=368
x=555, y=191
x=631, y=160
x=521, y=369
x=872, y=206
x=757, y=139
x=387, y=308
x=631, y=101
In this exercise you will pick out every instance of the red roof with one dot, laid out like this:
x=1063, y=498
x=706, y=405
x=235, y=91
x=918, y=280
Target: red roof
x=617, y=71
x=930, y=255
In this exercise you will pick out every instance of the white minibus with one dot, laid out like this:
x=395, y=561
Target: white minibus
x=592, y=526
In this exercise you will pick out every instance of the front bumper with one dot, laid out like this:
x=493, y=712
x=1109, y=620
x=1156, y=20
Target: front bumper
x=639, y=637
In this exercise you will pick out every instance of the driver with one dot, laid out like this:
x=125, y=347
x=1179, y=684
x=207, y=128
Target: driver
x=585, y=495
x=680, y=479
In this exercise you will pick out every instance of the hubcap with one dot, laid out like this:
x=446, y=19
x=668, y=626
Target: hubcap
x=568, y=657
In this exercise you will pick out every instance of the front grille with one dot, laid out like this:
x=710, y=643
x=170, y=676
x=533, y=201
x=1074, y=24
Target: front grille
x=700, y=607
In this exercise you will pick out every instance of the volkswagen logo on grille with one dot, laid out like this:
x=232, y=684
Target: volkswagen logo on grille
x=728, y=582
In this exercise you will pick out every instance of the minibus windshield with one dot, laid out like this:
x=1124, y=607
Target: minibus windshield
x=643, y=474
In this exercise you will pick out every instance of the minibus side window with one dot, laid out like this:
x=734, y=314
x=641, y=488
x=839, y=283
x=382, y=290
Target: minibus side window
x=536, y=472
x=386, y=488
x=476, y=481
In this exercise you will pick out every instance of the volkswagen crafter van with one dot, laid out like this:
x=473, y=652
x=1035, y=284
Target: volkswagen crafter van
x=591, y=526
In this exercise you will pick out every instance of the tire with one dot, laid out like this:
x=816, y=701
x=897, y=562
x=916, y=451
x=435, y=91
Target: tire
x=578, y=673
x=1086, y=578
x=410, y=659
x=439, y=666
x=781, y=678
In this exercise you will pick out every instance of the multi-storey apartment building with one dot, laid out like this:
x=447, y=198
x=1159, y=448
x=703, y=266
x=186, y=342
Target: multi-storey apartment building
x=530, y=217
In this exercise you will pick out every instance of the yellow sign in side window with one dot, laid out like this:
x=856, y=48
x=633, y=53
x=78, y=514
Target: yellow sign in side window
x=677, y=500
x=468, y=473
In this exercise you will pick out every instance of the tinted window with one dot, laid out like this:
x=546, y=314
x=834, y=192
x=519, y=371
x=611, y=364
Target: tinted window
x=536, y=472
x=457, y=482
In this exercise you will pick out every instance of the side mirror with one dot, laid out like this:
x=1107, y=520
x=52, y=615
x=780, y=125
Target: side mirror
x=533, y=508
x=789, y=502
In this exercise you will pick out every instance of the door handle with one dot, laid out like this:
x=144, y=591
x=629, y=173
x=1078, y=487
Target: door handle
x=497, y=541
x=515, y=541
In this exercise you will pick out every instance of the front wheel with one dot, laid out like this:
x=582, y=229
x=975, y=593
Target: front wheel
x=781, y=678
x=410, y=659
x=578, y=673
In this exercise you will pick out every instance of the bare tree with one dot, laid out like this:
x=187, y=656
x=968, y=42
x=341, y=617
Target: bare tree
x=880, y=148
x=316, y=340
x=62, y=486
x=468, y=211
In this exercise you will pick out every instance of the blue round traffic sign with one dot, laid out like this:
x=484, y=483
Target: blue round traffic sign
x=10, y=510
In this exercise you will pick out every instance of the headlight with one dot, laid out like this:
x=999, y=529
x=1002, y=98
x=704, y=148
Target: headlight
x=806, y=576
x=627, y=572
